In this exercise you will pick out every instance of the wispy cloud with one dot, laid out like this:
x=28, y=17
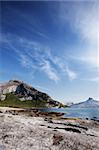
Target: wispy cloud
x=71, y=74
x=49, y=70
x=33, y=57
x=82, y=21
x=28, y=22
x=39, y=58
x=83, y=18
x=90, y=59
x=87, y=22
x=95, y=79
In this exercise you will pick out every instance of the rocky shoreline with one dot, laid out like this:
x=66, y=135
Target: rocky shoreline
x=35, y=130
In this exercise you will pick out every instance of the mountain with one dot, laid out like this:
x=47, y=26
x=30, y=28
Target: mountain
x=88, y=103
x=19, y=93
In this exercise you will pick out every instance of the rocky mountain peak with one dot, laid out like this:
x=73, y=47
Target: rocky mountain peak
x=90, y=99
x=15, y=81
x=88, y=103
x=24, y=92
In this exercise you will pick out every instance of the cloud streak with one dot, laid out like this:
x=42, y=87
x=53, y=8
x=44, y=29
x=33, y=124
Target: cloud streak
x=95, y=79
x=39, y=58
x=87, y=22
x=49, y=70
x=90, y=59
x=82, y=21
x=30, y=23
x=71, y=74
x=33, y=57
x=83, y=18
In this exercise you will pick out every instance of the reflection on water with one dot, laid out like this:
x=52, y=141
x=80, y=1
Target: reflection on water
x=76, y=112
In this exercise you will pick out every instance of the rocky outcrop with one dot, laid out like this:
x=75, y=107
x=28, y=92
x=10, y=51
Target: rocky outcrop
x=2, y=97
x=25, y=92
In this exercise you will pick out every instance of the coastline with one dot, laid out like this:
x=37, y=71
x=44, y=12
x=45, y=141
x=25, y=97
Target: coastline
x=46, y=131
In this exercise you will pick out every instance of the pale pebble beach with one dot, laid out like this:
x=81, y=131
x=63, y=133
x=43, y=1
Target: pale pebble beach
x=22, y=132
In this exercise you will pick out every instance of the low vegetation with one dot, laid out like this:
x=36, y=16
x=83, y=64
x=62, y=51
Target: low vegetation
x=13, y=101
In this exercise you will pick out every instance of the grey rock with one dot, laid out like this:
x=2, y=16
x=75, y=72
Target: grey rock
x=26, y=92
x=2, y=97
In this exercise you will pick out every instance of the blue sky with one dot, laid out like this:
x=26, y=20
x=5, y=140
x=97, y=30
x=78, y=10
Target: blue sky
x=54, y=46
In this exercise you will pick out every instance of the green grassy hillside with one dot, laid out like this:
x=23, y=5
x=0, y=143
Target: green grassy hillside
x=13, y=101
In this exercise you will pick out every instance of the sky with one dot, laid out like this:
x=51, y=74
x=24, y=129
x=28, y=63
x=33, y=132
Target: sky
x=53, y=46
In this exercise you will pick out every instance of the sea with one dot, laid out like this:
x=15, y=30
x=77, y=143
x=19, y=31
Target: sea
x=89, y=113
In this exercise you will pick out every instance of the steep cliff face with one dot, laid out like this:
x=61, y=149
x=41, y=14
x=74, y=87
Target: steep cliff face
x=25, y=92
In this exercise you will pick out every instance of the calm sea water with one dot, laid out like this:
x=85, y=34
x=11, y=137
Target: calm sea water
x=77, y=112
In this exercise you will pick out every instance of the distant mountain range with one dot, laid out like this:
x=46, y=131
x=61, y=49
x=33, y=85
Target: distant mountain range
x=17, y=93
x=88, y=103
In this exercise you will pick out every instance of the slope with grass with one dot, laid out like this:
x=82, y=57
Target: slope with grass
x=18, y=94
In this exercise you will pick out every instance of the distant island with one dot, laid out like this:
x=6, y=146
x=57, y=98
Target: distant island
x=15, y=93
x=86, y=104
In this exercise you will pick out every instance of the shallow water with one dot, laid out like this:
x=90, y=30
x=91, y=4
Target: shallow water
x=76, y=112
